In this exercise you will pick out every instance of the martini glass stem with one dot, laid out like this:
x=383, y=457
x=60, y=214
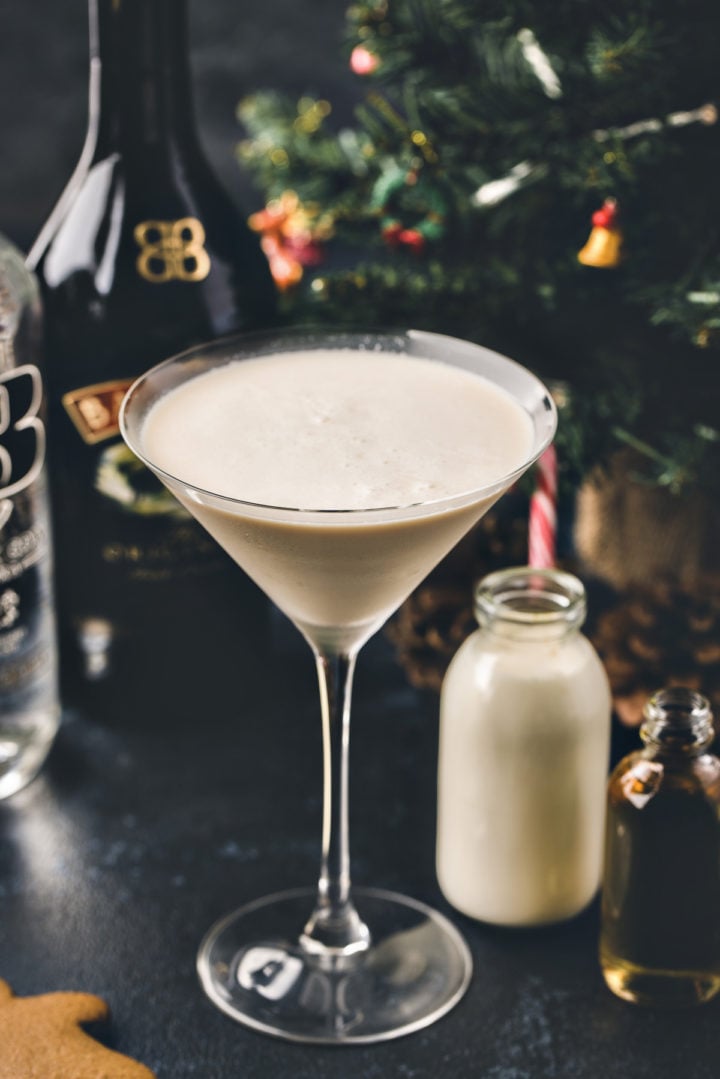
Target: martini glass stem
x=335, y=928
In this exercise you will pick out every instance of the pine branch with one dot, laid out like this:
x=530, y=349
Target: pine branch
x=519, y=119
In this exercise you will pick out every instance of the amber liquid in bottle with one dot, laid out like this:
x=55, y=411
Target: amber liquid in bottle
x=144, y=255
x=660, y=935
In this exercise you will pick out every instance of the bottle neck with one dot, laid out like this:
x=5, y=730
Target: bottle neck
x=677, y=720
x=525, y=604
x=140, y=89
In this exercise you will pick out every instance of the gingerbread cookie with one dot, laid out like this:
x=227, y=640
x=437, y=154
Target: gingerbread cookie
x=40, y=1038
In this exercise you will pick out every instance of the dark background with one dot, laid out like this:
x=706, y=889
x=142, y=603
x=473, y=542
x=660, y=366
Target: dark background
x=236, y=49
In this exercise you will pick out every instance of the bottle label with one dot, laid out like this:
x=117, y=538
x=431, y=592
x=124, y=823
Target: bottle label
x=119, y=474
x=22, y=433
x=95, y=410
x=172, y=251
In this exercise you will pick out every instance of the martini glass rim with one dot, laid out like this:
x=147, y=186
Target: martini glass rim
x=228, y=349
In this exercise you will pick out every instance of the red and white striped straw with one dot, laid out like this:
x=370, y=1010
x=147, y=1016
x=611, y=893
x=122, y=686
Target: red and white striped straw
x=542, y=525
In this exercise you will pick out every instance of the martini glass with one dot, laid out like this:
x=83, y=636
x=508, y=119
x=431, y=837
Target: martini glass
x=337, y=965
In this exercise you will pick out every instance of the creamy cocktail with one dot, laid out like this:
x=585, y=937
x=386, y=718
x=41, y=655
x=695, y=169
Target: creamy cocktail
x=335, y=431
x=337, y=469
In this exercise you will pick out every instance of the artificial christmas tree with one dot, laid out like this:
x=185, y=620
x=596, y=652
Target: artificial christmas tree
x=491, y=141
x=539, y=178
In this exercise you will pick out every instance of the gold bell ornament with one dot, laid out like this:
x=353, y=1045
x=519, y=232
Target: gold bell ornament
x=605, y=241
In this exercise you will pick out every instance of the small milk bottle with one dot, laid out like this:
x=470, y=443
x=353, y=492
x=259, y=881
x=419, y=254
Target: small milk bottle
x=524, y=749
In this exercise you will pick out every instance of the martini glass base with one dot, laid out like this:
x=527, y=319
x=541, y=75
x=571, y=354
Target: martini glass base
x=416, y=969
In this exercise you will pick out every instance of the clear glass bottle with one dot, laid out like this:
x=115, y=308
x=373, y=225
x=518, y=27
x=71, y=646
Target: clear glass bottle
x=660, y=930
x=29, y=704
x=524, y=750
x=144, y=255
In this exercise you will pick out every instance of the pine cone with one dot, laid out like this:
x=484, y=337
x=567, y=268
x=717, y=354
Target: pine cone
x=434, y=621
x=657, y=636
x=428, y=629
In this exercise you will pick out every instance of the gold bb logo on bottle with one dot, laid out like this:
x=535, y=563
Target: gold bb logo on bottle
x=172, y=250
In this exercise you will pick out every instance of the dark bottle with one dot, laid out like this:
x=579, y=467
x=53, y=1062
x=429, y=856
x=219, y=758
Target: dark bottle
x=144, y=255
x=660, y=935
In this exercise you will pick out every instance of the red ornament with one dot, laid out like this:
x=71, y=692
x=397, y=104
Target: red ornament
x=413, y=239
x=396, y=235
x=606, y=216
x=391, y=233
x=362, y=61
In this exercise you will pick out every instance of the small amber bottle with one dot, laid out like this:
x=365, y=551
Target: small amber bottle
x=660, y=935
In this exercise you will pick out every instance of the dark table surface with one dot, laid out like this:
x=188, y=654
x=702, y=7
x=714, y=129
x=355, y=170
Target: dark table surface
x=143, y=830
